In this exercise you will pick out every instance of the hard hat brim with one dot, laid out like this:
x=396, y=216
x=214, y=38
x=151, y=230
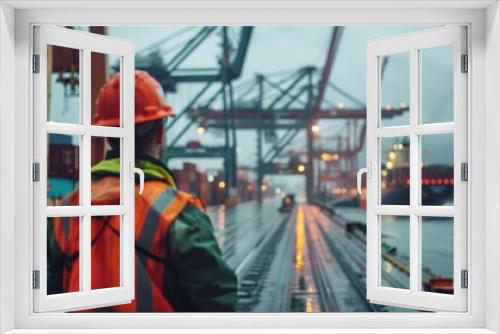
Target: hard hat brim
x=165, y=112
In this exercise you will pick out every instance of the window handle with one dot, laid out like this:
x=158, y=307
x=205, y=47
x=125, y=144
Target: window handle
x=358, y=176
x=134, y=170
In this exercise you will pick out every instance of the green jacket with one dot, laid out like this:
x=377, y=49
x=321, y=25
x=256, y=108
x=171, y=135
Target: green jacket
x=197, y=279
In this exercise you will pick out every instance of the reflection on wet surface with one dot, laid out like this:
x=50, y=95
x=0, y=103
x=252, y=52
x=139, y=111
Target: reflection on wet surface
x=302, y=261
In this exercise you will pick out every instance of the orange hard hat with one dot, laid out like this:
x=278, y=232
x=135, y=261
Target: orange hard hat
x=150, y=104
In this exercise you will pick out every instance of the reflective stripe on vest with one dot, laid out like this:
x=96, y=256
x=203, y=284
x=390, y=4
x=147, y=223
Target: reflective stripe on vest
x=145, y=240
x=155, y=210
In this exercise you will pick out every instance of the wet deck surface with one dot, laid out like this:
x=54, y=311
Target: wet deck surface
x=303, y=261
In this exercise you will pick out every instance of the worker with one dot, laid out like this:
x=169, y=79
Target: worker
x=178, y=264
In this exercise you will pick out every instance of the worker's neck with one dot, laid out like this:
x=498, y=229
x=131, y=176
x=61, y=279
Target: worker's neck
x=154, y=152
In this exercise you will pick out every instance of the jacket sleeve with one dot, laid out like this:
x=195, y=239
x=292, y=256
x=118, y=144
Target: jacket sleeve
x=206, y=281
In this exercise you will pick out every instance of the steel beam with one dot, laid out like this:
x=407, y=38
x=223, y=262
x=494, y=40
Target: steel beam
x=190, y=153
x=208, y=113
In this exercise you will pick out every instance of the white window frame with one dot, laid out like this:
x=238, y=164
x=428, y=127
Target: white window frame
x=411, y=44
x=85, y=43
x=16, y=20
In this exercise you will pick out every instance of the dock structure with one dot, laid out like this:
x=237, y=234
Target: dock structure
x=277, y=107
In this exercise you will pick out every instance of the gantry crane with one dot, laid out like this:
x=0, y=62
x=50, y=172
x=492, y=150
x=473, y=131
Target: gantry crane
x=288, y=105
x=276, y=109
x=170, y=72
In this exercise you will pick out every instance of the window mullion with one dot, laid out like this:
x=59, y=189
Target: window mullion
x=414, y=169
x=85, y=172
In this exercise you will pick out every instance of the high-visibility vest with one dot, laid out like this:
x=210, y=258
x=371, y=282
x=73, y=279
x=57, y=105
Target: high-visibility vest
x=158, y=206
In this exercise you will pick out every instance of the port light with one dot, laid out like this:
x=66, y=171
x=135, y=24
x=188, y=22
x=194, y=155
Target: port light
x=201, y=130
x=301, y=168
x=389, y=164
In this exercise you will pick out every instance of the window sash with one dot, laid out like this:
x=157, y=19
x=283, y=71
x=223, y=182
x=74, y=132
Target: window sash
x=85, y=43
x=414, y=298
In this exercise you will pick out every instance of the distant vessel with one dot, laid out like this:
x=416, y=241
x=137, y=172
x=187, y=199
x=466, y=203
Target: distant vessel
x=441, y=285
x=437, y=181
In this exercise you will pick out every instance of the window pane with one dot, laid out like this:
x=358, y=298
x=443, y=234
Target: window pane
x=395, y=89
x=63, y=85
x=437, y=84
x=437, y=169
x=395, y=171
x=63, y=169
x=437, y=254
x=105, y=112
x=105, y=258
x=106, y=175
x=63, y=246
x=395, y=250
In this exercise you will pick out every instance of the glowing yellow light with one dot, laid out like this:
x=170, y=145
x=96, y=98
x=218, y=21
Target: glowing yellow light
x=300, y=234
x=263, y=187
x=301, y=168
x=389, y=165
x=400, y=146
x=309, y=305
x=200, y=130
x=222, y=184
x=388, y=267
x=384, y=172
x=326, y=157
x=210, y=178
x=392, y=155
x=315, y=128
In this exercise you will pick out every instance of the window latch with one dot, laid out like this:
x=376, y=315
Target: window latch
x=140, y=173
x=365, y=170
